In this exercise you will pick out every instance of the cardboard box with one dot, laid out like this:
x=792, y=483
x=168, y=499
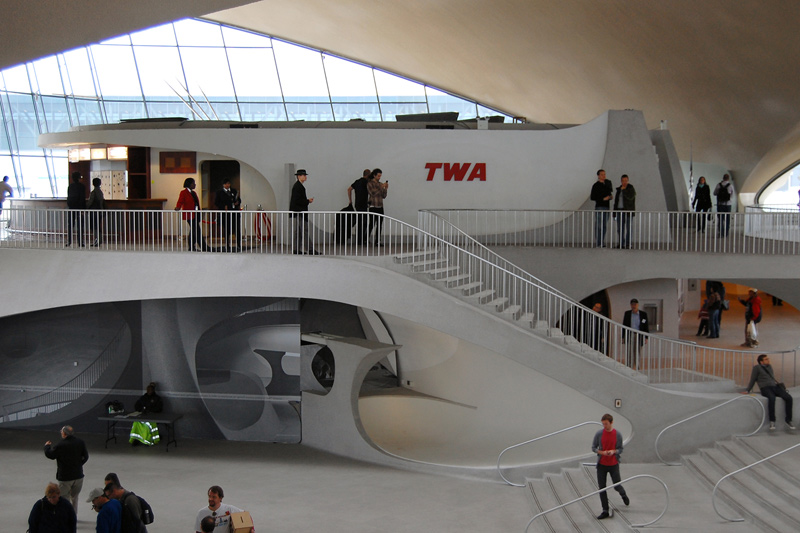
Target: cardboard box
x=241, y=522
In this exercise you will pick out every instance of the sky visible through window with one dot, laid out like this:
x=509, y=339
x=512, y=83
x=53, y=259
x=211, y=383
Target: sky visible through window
x=194, y=69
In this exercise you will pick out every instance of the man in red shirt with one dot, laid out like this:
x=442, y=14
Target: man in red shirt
x=752, y=314
x=607, y=444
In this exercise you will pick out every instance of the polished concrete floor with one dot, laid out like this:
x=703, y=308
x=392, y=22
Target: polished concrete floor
x=287, y=488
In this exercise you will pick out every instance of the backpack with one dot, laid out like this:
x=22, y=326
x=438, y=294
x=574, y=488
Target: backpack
x=724, y=193
x=135, y=523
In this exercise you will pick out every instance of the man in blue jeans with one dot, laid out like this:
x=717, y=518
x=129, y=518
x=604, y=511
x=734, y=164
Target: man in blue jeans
x=770, y=388
x=602, y=192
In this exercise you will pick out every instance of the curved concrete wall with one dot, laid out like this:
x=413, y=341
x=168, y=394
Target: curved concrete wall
x=524, y=169
x=64, y=277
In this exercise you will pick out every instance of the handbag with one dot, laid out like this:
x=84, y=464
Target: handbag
x=726, y=305
x=781, y=386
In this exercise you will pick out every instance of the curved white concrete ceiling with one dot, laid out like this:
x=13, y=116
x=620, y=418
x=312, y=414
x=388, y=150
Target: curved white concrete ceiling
x=723, y=74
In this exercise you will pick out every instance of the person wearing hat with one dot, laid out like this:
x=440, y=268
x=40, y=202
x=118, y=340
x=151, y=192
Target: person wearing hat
x=298, y=205
x=751, y=314
x=636, y=320
x=109, y=512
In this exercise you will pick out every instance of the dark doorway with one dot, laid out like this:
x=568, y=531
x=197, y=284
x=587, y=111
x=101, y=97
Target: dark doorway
x=211, y=175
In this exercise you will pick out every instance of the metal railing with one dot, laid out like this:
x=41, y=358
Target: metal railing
x=763, y=416
x=68, y=392
x=666, y=505
x=714, y=492
x=663, y=360
x=499, y=471
x=758, y=231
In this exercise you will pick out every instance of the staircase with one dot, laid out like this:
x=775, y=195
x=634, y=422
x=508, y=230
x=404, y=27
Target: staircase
x=556, y=489
x=768, y=494
x=429, y=266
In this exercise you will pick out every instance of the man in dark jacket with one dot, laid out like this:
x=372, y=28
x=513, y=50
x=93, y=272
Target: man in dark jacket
x=602, y=192
x=637, y=321
x=52, y=514
x=763, y=374
x=624, y=204
x=76, y=199
x=228, y=200
x=70, y=455
x=298, y=205
x=361, y=205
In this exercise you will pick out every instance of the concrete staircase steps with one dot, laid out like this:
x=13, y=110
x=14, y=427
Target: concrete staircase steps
x=412, y=257
x=441, y=273
x=778, y=481
x=579, y=515
x=428, y=264
x=553, y=490
x=544, y=499
x=454, y=281
x=468, y=289
x=513, y=312
x=757, y=483
x=498, y=304
x=541, y=325
x=483, y=296
x=783, y=464
x=527, y=319
x=736, y=499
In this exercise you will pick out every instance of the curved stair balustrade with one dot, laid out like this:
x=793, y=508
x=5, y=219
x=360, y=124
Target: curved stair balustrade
x=714, y=492
x=758, y=231
x=608, y=487
x=469, y=271
x=760, y=425
x=499, y=470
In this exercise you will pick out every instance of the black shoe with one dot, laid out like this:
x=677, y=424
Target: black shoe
x=314, y=252
x=626, y=500
x=604, y=515
x=297, y=252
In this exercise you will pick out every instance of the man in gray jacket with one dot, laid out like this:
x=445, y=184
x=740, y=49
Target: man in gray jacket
x=607, y=444
x=770, y=388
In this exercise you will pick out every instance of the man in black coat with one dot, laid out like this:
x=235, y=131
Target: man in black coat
x=76, y=199
x=298, y=205
x=70, y=455
x=361, y=205
x=228, y=200
x=637, y=321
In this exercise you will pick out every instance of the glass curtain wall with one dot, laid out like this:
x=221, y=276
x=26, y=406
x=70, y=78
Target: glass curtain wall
x=194, y=69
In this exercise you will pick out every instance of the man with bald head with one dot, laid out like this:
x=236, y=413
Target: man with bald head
x=70, y=455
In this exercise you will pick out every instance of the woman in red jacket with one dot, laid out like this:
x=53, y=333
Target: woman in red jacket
x=189, y=203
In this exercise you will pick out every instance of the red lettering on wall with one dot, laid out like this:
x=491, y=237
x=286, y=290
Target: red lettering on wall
x=457, y=171
x=432, y=169
x=478, y=172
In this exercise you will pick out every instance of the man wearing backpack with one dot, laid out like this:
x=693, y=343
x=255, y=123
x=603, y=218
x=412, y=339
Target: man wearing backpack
x=725, y=194
x=131, y=508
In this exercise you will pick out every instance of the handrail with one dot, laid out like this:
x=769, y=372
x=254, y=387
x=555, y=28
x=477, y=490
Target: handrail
x=714, y=492
x=274, y=232
x=534, y=440
x=763, y=416
x=666, y=506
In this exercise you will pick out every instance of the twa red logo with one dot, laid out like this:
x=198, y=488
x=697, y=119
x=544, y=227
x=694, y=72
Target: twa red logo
x=457, y=171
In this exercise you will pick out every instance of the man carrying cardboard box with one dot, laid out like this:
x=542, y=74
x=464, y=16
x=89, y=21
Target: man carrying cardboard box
x=222, y=513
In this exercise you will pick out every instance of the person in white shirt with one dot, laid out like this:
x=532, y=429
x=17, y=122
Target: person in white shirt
x=221, y=512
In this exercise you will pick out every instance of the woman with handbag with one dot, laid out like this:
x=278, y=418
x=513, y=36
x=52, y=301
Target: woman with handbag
x=702, y=202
